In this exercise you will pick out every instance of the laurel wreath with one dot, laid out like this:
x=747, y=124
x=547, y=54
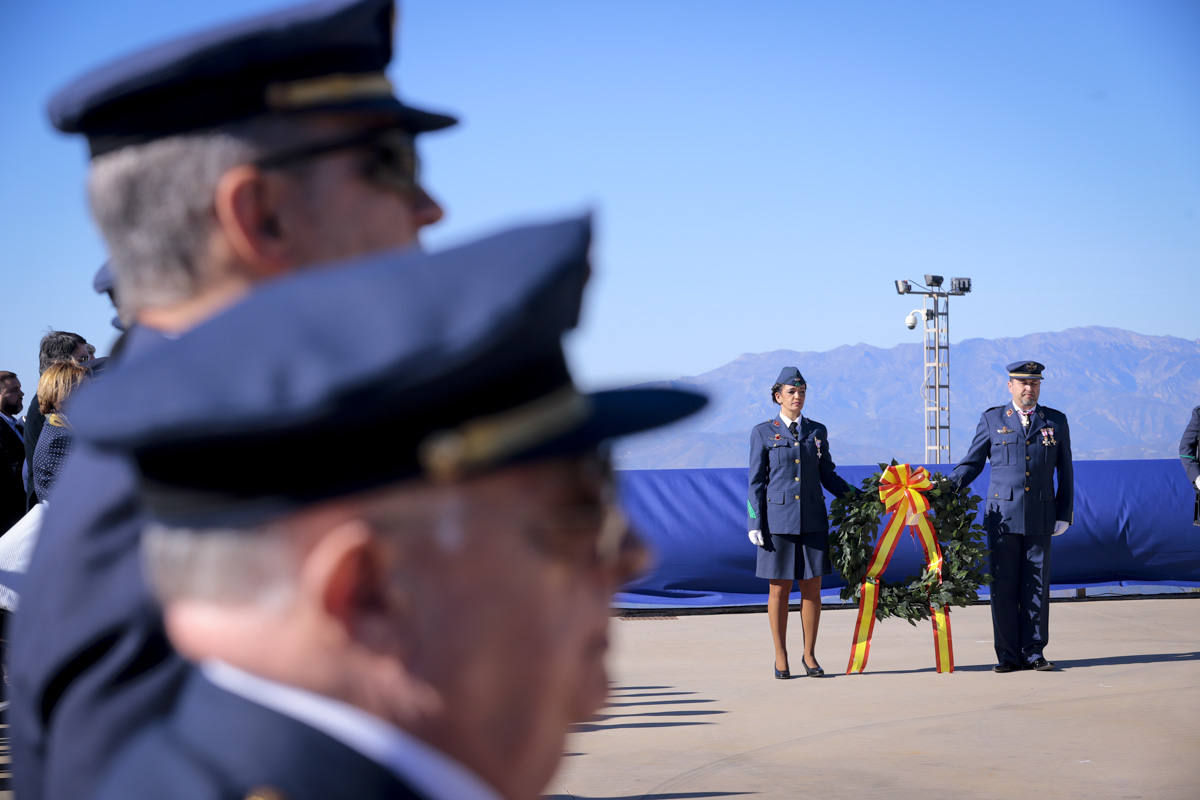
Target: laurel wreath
x=856, y=520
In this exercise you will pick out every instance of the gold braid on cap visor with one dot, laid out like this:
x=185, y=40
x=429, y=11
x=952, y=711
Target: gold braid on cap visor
x=447, y=455
x=313, y=92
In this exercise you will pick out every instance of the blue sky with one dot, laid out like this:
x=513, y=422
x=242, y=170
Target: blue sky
x=761, y=171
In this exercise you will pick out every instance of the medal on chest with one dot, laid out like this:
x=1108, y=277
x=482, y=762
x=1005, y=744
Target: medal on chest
x=1048, y=439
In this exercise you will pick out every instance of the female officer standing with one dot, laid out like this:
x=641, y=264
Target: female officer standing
x=789, y=463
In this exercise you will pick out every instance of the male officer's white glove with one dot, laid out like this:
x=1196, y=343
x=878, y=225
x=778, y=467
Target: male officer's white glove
x=1060, y=527
x=756, y=538
x=1198, y=484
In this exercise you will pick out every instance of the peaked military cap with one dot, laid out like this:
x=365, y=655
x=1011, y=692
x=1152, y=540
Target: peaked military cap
x=790, y=376
x=405, y=364
x=102, y=281
x=321, y=56
x=1026, y=369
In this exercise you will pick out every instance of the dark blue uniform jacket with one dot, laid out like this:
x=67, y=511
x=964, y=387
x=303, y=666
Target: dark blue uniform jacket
x=215, y=745
x=89, y=660
x=1021, y=495
x=786, y=476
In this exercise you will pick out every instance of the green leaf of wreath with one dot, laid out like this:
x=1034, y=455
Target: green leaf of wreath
x=855, y=529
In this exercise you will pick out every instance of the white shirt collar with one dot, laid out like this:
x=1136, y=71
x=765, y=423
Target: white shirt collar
x=430, y=772
x=1025, y=413
x=786, y=421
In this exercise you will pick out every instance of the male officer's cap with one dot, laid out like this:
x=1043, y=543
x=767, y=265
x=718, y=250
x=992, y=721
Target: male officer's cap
x=102, y=281
x=1026, y=370
x=353, y=376
x=316, y=57
x=790, y=376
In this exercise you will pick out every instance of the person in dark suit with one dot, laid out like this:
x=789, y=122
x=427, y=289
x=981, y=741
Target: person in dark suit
x=12, y=451
x=1029, y=446
x=271, y=144
x=790, y=461
x=427, y=621
x=1189, y=455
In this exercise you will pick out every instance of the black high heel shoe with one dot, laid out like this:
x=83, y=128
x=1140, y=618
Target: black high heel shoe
x=782, y=674
x=812, y=672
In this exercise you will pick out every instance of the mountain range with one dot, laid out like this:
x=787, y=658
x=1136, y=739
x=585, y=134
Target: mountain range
x=1125, y=394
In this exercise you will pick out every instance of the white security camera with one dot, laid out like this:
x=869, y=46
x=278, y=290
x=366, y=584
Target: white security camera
x=912, y=319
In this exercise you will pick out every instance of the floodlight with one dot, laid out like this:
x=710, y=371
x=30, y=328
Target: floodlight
x=903, y=287
x=960, y=285
x=933, y=281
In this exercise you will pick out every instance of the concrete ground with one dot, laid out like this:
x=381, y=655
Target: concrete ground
x=696, y=713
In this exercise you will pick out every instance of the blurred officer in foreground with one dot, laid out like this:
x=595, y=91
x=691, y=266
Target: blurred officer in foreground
x=1027, y=444
x=219, y=161
x=1189, y=454
x=425, y=623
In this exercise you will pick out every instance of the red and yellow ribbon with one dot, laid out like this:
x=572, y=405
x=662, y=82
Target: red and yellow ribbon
x=902, y=490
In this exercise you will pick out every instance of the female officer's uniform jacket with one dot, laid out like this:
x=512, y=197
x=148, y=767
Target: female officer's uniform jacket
x=786, y=476
x=1021, y=497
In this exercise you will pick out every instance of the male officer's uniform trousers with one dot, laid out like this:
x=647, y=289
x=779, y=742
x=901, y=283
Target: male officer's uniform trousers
x=1021, y=505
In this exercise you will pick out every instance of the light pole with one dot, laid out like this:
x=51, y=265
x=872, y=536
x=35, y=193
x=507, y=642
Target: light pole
x=936, y=386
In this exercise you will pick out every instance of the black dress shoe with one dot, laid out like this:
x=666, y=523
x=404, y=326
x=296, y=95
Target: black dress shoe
x=812, y=672
x=783, y=674
x=1040, y=664
x=1003, y=668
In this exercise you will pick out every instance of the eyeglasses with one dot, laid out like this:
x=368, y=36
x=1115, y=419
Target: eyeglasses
x=585, y=538
x=389, y=156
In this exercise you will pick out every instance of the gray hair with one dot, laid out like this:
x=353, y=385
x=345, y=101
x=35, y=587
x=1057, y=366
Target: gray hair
x=154, y=205
x=243, y=566
x=258, y=565
x=58, y=346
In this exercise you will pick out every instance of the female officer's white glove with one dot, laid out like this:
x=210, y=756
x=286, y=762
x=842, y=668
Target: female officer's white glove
x=1060, y=527
x=756, y=538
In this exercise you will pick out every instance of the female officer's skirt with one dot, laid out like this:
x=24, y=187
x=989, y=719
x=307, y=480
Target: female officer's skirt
x=796, y=557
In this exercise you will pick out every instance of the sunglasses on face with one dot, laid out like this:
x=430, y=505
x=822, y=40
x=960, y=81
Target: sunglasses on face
x=389, y=156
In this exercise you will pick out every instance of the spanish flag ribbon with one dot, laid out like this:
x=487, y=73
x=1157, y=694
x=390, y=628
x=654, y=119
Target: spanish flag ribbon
x=902, y=489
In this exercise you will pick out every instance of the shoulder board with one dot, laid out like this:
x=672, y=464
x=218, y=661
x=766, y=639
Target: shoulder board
x=996, y=408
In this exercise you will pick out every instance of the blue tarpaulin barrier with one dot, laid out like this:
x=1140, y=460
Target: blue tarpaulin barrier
x=1133, y=524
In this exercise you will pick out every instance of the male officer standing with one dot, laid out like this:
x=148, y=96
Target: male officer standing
x=219, y=161
x=1189, y=454
x=426, y=622
x=1027, y=444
